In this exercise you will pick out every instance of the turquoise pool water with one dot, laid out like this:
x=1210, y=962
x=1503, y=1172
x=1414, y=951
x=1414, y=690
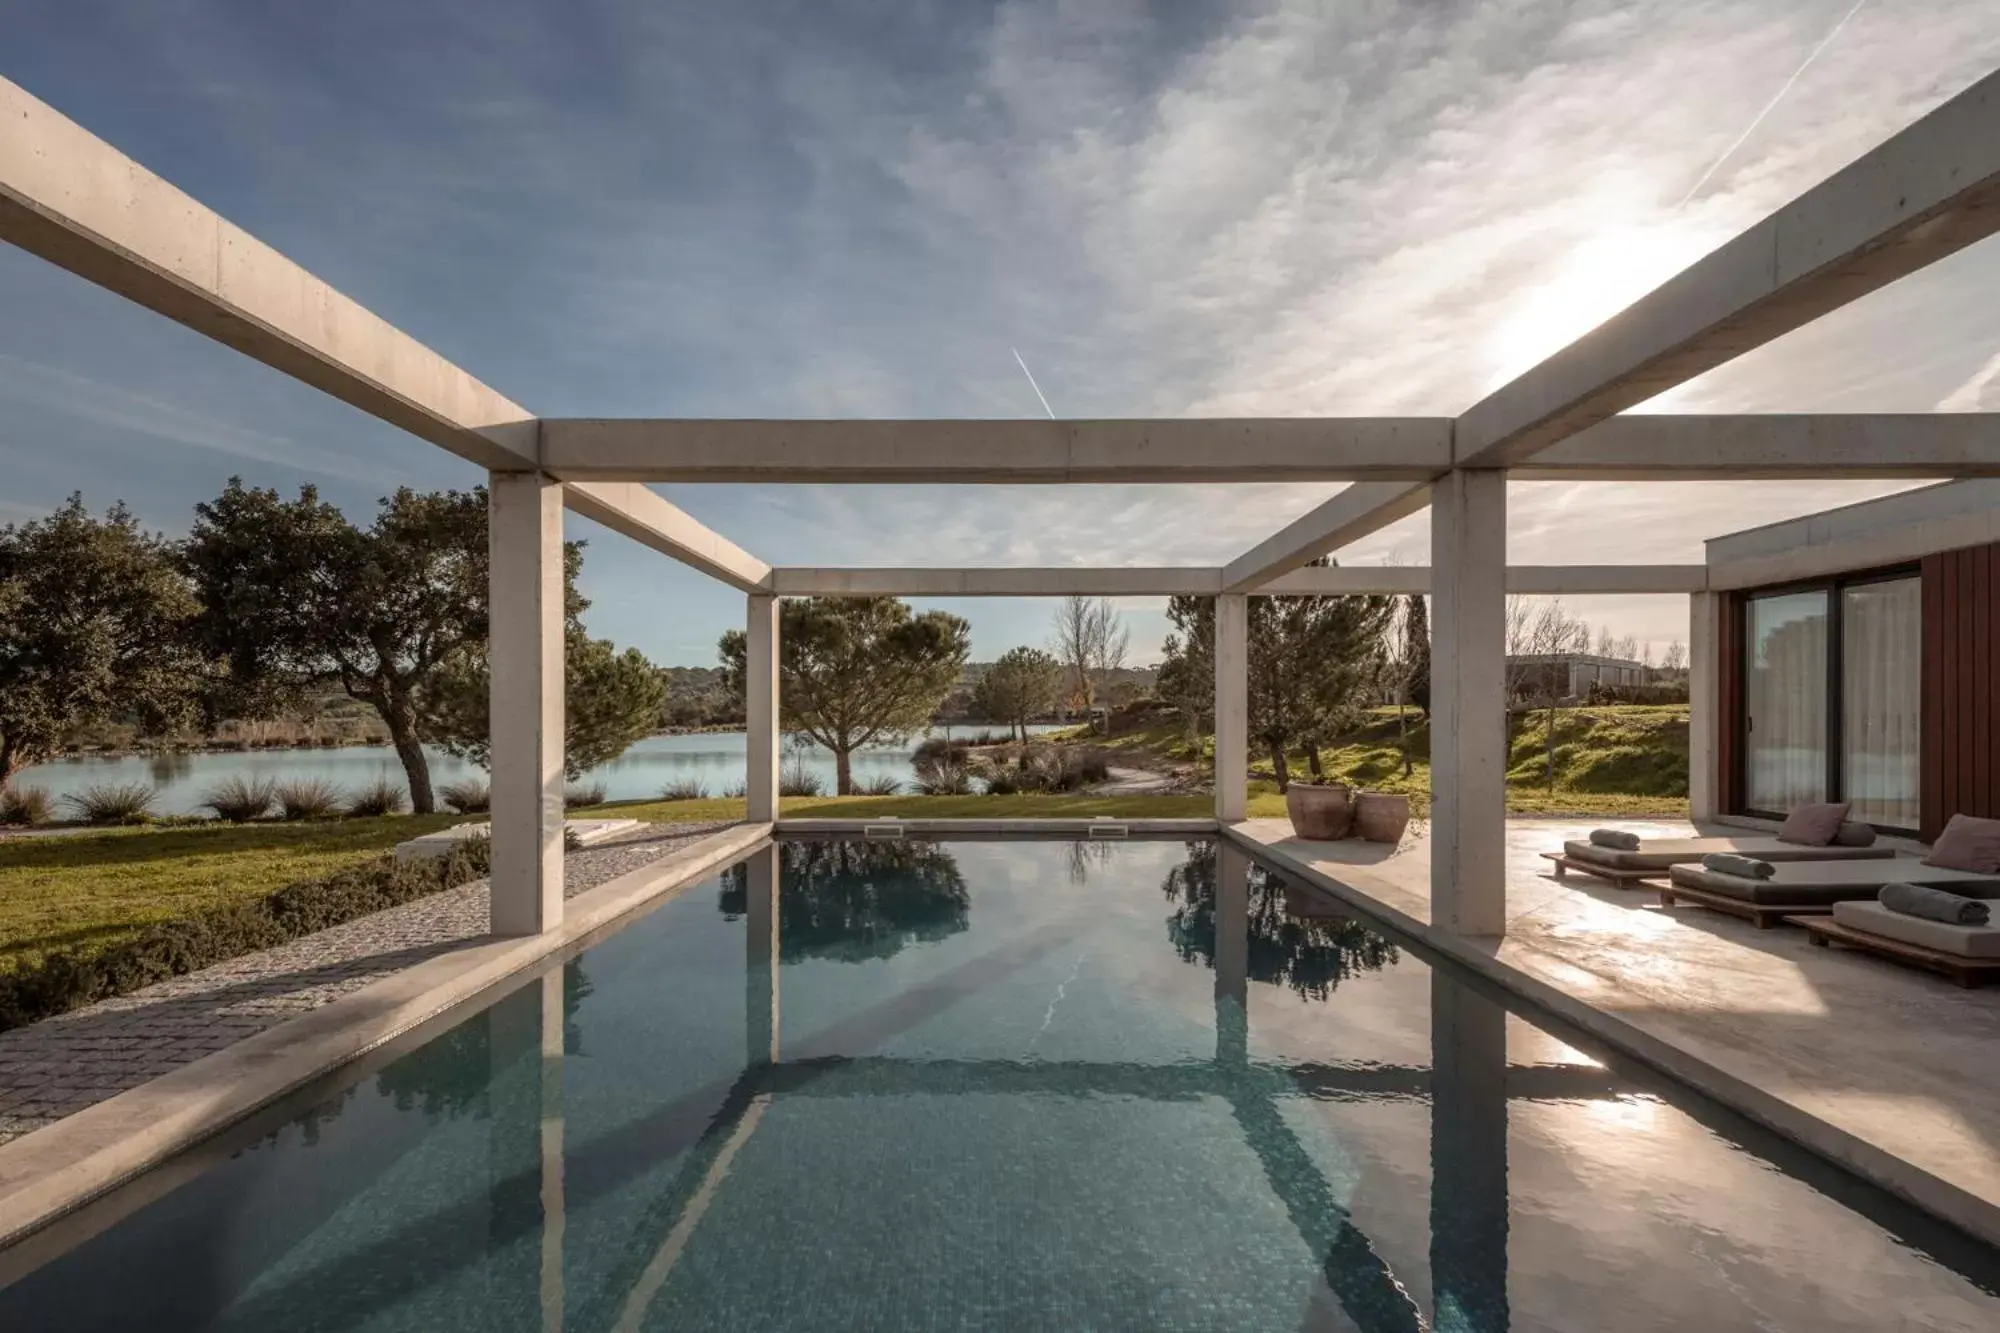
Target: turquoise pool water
x=996, y=1085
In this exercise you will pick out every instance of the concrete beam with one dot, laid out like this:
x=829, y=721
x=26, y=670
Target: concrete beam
x=1645, y=447
x=1167, y=581
x=1926, y=193
x=79, y=203
x=1362, y=508
x=1531, y=580
x=649, y=519
x=1018, y=451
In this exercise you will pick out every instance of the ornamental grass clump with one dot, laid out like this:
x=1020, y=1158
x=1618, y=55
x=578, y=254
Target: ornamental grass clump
x=307, y=798
x=26, y=805
x=238, y=800
x=113, y=802
x=380, y=797
x=684, y=789
x=469, y=797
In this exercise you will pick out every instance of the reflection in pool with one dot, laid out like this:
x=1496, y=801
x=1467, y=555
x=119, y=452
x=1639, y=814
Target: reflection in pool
x=1006, y=1085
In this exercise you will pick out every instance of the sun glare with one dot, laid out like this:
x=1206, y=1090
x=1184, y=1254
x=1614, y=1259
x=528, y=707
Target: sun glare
x=1597, y=278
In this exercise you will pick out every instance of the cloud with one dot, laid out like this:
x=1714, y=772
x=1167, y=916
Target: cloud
x=1972, y=395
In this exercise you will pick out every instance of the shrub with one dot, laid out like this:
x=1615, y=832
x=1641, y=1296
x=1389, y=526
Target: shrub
x=239, y=800
x=684, y=789
x=112, y=802
x=1001, y=782
x=943, y=776
x=884, y=785
x=1093, y=765
x=938, y=747
x=69, y=980
x=581, y=795
x=380, y=797
x=735, y=791
x=795, y=779
x=26, y=805
x=307, y=798
x=469, y=797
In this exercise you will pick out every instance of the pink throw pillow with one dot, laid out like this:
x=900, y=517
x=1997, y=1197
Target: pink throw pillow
x=1813, y=825
x=1968, y=843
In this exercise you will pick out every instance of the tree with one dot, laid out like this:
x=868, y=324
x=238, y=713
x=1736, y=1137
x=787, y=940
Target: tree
x=610, y=700
x=1187, y=665
x=1545, y=631
x=294, y=595
x=1020, y=686
x=1675, y=659
x=1090, y=641
x=852, y=670
x=93, y=616
x=1311, y=660
x=1417, y=651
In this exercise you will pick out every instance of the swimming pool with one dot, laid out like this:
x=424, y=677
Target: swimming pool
x=996, y=1084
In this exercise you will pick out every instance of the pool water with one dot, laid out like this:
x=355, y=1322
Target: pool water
x=997, y=1085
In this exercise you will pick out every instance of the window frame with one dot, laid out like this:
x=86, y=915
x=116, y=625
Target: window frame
x=1835, y=587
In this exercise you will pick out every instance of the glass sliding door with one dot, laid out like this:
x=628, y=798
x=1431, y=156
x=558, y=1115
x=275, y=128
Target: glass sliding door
x=1881, y=719
x=1784, y=701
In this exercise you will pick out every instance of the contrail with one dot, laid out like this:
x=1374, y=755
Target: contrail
x=1031, y=382
x=1772, y=105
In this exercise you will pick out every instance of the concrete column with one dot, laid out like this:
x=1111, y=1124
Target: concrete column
x=1468, y=1159
x=1232, y=955
x=1469, y=703
x=1232, y=706
x=760, y=699
x=1704, y=710
x=525, y=541
x=760, y=984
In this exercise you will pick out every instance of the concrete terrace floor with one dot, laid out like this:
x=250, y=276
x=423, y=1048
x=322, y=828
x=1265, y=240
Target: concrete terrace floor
x=1899, y=1059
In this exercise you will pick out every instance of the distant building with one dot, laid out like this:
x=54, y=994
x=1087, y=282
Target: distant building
x=1571, y=674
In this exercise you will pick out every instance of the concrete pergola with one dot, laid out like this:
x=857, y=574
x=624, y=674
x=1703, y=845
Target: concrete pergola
x=1926, y=193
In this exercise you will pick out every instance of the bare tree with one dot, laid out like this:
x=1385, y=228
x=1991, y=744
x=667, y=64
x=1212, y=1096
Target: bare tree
x=1676, y=658
x=1545, y=631
x=1091, y=642
x=1626, y=649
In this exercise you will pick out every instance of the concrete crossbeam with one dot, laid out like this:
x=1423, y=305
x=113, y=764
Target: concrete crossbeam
x=79, y=203
x=1365, y=507
x=650, y=519
x=1168, y=581
x=1528, y=580
x=1926, y=193
x=1645, y=447
x=1017, y=451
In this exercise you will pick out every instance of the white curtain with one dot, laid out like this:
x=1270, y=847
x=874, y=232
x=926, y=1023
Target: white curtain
x=1882, y=713
x=1784, y=699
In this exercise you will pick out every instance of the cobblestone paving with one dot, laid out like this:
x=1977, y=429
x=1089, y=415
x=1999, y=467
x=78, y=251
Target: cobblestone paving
x=61, y=1065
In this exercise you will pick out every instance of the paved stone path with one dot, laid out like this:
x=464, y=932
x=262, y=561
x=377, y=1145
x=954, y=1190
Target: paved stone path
x=61, y=1065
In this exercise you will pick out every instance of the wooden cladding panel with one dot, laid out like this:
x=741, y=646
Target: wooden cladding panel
x=1961, y=674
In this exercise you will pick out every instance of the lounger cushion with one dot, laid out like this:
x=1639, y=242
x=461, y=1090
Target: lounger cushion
x=1968, y=843
x=1814, y=825
x=1964, y=941
x=1818, y=883
x=1659, y=853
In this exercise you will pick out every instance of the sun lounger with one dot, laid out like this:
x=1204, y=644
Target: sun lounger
x=1811, y=888
x=1656, y=856
x=1966, y=954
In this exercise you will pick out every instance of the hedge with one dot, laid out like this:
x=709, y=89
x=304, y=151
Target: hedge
x=69, y=980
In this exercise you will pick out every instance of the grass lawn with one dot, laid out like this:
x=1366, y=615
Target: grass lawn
x=92, y=890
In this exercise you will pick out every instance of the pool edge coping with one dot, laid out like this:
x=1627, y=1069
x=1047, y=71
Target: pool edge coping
x=57, y=1169
x=1844, y=1149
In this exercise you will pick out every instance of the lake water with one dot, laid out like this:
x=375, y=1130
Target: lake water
x=714, y=759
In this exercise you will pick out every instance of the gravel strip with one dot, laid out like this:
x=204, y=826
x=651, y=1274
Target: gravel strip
x=59, y=1066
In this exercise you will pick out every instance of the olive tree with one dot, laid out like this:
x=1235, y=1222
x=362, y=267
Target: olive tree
x=1020, y=686
x=93, y=614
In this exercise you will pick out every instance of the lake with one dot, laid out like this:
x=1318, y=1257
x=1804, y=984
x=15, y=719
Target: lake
x=714, y=759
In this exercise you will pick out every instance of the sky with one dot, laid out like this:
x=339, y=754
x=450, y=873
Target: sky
x=867, y=207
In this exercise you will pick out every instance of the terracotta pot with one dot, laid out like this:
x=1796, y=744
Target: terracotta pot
x=1320, y=814
x=1380, y=817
